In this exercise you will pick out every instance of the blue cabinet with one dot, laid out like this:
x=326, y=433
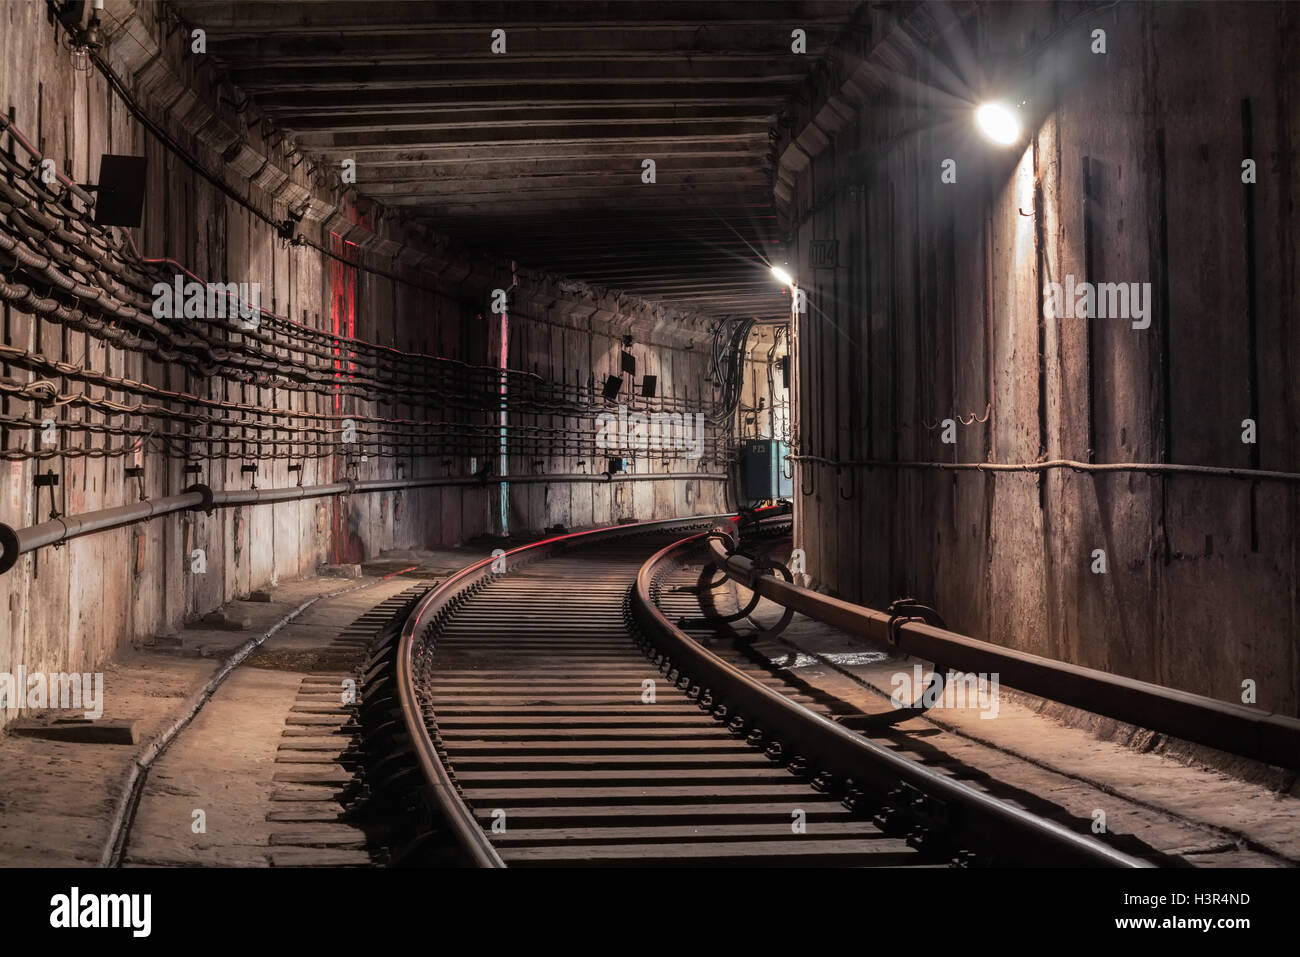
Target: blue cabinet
x=764, y=471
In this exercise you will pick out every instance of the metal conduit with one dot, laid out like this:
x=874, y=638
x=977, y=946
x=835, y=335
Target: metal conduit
x=1237, y=729
x=16, y=542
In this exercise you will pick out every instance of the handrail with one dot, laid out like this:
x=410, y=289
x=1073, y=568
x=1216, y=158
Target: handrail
x=441, y=788
x=1237, y=729
x=826, y=746
x=16, y=542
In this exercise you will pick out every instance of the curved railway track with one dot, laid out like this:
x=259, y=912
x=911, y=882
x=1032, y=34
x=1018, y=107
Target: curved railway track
x=558, y=716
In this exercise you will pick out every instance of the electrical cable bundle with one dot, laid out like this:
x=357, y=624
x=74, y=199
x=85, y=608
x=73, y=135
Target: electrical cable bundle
x=727, y=367
x=56, y=263
x=780, y=411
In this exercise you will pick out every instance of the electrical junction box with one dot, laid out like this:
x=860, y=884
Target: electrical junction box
x=764, y=472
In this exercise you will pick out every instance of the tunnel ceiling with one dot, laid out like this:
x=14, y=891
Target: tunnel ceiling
x=537, y=154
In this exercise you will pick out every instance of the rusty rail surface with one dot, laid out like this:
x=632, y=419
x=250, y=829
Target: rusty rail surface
x=1237, y=729
x=823, y=759
x=849, y=763
x=440, y=790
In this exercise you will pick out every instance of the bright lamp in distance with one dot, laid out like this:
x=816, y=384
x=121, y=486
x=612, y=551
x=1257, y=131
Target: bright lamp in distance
x=782, y=276
x=998, y=123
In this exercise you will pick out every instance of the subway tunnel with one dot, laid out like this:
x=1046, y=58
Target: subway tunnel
x=805, y=434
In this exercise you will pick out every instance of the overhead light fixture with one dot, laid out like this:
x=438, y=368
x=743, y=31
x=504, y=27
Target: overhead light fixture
x=782, y=276
x=998, y=122
x=84, y=38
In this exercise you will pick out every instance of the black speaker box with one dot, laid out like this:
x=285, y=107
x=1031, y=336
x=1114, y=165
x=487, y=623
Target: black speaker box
x=120, y=200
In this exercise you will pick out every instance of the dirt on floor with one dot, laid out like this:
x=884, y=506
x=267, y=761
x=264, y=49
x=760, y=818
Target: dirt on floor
x=57, y=798
x=1199, y=806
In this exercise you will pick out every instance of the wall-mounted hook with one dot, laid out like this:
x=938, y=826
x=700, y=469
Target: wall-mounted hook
x=136, y=472
x=48, y=480
x=804, y=483
x=840, y=488
x=988, y=408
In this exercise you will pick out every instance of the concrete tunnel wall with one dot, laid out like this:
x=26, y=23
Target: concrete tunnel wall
x=69, y=608
x=935, y=311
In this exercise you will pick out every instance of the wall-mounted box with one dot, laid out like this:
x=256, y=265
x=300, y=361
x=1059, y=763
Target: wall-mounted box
x=764, y=471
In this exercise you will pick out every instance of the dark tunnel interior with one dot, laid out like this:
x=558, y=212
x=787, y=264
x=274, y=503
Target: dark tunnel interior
x=782, y=433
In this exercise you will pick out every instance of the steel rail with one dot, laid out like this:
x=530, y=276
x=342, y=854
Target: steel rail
x=440, y=789
x=982, y=822
x=16, y=542
x=1237, y=729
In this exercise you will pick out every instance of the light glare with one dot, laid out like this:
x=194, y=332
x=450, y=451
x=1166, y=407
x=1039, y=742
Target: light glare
x=782, y=276
x=998, y=123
